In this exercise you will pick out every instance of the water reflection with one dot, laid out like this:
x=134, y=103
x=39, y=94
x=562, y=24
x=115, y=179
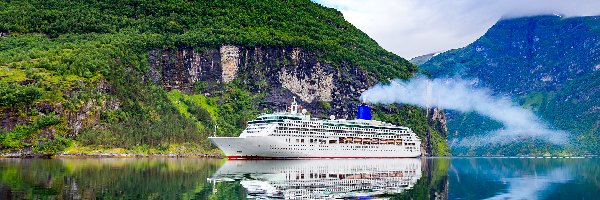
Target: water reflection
x=105, y=178
x=524, y=178
x=173, y=178
x=321, y=179
x=427, y=178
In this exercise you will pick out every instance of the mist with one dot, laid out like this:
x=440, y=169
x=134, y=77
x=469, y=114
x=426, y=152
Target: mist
x=461, y=95
x=412, y=28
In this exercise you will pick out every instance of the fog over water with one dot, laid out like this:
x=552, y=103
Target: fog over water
x=460, y=95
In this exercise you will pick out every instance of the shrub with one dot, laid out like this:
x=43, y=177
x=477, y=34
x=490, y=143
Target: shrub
x=52, y=146
x=14, y=94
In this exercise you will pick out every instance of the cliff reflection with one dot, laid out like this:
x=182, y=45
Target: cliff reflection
x=321, y=179
x=113, y=178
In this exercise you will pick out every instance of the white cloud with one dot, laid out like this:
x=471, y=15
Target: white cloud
x=411, y=28
x=461, y=95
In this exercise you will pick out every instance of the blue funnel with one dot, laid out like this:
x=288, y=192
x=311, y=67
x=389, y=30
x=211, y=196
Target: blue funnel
x=364, y=112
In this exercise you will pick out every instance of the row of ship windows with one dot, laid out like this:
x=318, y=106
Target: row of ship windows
x=350, y=141
x=351, y=177
x=350, y=182
x=337, y=149
x=327, y=147
x=408, y=168
x=336, y=127
x=286, y=126
x=305, y=190
x=316, y=134
x=355, y=133
x=302, y=188
x=341, y=126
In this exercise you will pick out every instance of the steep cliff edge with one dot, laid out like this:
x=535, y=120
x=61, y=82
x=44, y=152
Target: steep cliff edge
x=158, y=77
x=278, y=72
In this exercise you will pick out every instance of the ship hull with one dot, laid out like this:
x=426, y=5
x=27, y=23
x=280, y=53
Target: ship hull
x=272, y=147
x=306, y=157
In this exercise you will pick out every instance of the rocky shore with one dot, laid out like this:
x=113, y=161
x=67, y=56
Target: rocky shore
x=109, y=155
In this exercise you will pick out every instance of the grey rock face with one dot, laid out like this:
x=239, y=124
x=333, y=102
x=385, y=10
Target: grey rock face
x=279, y=71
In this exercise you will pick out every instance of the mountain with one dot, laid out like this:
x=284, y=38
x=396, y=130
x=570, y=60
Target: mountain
x=548, y=64
x=159, y=77
x=419, y=60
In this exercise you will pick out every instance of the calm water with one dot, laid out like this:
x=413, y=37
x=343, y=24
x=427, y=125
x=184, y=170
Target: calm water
x=441, y=178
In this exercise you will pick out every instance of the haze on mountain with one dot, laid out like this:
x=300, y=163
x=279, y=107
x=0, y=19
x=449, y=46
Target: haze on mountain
x=412, y=28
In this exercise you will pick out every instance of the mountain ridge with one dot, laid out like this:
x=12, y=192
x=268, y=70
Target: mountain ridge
x=546, y=64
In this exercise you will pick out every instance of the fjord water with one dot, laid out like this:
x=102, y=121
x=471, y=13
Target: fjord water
x=177, y=178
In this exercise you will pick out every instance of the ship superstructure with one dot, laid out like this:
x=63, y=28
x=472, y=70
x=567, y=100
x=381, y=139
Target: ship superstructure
x=293, y=134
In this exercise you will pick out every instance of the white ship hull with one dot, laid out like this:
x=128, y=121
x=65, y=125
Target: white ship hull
x=272, y=147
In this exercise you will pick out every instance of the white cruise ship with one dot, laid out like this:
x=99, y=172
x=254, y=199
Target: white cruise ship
x=294, y=135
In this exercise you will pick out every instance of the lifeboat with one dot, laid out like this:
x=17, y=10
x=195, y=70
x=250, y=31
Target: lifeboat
x=367, y=140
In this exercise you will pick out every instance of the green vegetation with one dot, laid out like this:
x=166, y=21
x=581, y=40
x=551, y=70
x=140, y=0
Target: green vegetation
x=228, y=190
x=23, y=136
x=229, y=112
x=14, y=94
x=87, y=62
x=175, y=23
x=432, y=184
x=416, y=119
x=197, y=107
x=543, y=69
x=109, y=179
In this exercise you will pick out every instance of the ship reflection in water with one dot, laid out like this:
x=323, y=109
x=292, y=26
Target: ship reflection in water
x=321, y=179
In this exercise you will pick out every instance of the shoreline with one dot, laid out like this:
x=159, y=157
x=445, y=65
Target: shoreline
x=219, y=156
x=110, y=155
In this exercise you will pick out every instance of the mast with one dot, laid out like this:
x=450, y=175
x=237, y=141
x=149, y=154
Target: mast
x=294, y=107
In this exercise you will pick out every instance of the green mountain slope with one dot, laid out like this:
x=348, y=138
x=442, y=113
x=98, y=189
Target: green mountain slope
x=86, y=75
x=546, y=64
x=189, y=23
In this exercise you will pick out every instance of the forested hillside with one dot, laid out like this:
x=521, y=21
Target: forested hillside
x=78, y=76
x=548, y=64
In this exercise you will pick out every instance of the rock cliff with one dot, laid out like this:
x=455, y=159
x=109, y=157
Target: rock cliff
x=436, y=119
x=277, y=71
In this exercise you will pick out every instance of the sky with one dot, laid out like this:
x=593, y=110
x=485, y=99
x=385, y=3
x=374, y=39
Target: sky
x=411, y=28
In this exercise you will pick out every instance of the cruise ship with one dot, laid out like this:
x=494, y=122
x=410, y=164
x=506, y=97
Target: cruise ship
x=293, y=134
